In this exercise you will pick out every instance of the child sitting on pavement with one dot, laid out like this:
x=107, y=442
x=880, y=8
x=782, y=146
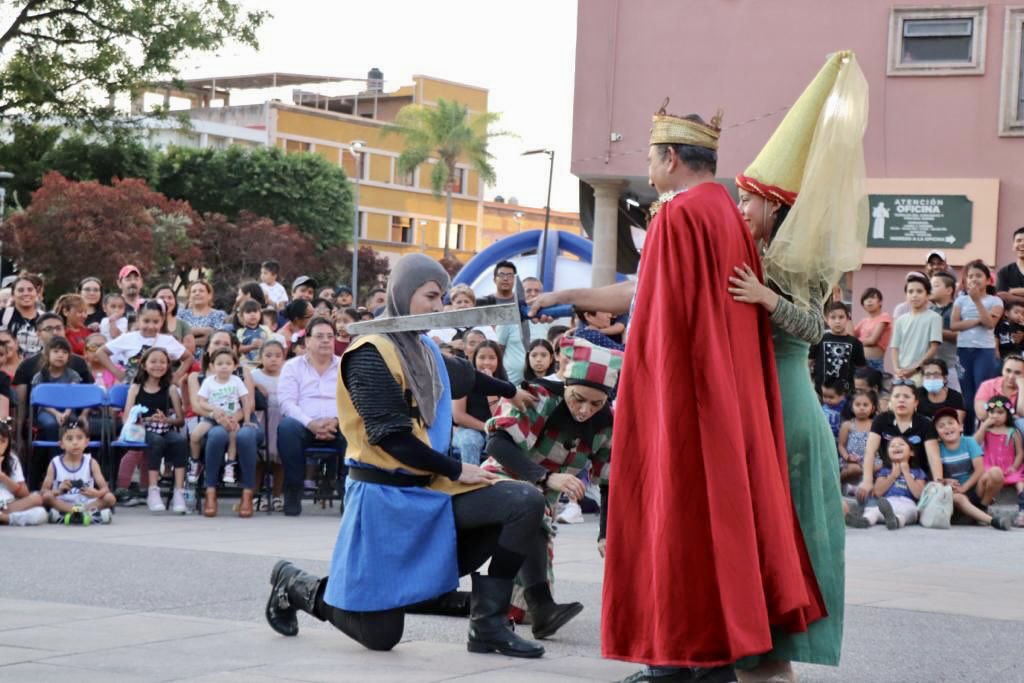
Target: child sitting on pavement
x=962, y=463
x=897, y=490
x=1004, y=454
x=18, y=507
x=74, y=488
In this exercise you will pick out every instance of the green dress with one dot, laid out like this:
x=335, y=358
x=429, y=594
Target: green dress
x=814, y=485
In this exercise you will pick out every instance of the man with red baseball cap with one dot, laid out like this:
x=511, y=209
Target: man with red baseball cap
x=129, y=279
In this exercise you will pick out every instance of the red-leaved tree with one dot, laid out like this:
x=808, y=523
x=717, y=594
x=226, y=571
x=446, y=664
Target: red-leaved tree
x=73, y=229
x=233, y=250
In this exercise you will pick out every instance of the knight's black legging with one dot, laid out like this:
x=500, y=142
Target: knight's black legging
x=506, y=515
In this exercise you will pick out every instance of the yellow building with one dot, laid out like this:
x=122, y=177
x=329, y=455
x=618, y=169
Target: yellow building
x=397, y=214
x=504, y=218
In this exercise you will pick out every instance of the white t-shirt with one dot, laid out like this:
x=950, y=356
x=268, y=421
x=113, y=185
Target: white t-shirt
x=17, y=476
x=122, y=324
x=131, y=345
x=226, y=396
x=275, y=293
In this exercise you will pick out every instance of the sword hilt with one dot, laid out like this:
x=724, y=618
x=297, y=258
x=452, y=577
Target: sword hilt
x=560, y=311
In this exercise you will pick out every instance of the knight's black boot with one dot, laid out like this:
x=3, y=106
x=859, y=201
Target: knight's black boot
x=292, y=590
x=546, y=615
x=489, y=629
x=451, y=604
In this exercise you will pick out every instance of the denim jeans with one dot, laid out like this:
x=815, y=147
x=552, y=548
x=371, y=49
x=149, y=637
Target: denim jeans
x=976, y=366
x=470, y=443
x=247, y=441
x=292, y=440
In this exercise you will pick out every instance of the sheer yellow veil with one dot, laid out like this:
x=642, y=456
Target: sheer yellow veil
x=825, y=232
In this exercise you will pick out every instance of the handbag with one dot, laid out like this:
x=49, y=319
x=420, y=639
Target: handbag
x=935, y=508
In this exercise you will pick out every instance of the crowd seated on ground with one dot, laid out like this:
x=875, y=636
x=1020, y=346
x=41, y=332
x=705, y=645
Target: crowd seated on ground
x=243, y=402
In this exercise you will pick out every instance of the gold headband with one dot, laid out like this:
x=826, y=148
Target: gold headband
x=668, y=129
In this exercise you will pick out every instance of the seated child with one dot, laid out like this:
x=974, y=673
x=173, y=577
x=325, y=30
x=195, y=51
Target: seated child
x=898, y=487
x=222, y=391
x=18, y=507
x=870, y=379
x=962, y=463
x=833, y=402
x=74, y=488
x=1010, y=330
x=1004, y=454
x=853, y=438
x=251, y=333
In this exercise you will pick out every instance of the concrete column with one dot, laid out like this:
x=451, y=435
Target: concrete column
x=606, y=220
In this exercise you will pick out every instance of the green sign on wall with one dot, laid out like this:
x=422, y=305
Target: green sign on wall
x=919, y=220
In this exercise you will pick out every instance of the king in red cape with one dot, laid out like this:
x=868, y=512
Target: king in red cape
x=704, y=553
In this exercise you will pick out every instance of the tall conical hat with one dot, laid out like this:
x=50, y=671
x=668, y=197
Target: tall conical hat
x=777, y=171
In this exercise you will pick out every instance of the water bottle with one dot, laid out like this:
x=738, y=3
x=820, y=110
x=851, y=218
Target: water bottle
x=190, y=500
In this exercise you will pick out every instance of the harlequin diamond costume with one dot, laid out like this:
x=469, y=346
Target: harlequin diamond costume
x=549, y=438
x=704, y=553
x=813, y=164
x=410, y=529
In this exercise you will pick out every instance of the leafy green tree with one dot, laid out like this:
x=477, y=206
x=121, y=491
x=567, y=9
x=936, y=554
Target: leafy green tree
x=23, y=155
x=66, y=59
x=301, y=189
x=34, y=150
x=116, y=153
x=448, y=134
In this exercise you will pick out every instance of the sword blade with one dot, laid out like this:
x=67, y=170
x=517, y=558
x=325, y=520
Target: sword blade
x=501, y=314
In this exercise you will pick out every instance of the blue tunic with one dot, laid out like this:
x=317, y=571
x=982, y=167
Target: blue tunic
x=396, y=545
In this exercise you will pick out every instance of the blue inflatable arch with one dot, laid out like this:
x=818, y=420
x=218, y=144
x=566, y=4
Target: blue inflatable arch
x=517, y=245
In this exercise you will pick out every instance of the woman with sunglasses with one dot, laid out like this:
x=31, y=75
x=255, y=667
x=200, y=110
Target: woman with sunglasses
x=901, y=420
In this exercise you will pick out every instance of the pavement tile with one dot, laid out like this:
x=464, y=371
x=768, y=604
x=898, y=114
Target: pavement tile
x=41, y=672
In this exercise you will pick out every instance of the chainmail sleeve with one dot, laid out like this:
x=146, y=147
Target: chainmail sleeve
x=375, y=393
x=804, y=323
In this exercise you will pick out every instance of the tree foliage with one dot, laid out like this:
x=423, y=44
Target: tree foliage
x=64, y=59
x=233, y=250
x=302, y=189
x=73, y=229
x=447, y=133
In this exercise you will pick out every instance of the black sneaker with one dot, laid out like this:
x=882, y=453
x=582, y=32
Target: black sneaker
x=891, y=521
x=1001, y=523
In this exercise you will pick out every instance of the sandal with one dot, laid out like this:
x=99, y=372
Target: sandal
x=245, y=506
x=210, y=503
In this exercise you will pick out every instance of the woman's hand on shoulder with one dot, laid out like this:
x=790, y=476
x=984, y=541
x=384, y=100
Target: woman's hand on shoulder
x=474, y=474
x=746, y=288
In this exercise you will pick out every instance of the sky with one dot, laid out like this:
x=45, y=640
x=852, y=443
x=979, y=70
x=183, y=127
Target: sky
x=523, y=53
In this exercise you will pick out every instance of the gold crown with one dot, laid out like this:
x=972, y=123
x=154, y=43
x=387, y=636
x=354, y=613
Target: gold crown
x=669, y=129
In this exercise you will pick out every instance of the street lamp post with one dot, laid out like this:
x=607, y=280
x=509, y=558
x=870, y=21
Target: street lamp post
x=547, y=206
x=356, y=147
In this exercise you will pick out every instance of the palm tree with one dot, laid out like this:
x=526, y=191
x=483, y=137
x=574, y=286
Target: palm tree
x=448, y=134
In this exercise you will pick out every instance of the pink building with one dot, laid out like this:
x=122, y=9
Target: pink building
x=945, y=140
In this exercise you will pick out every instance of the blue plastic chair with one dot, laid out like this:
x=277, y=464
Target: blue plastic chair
x=116, y=398
x=63, y=397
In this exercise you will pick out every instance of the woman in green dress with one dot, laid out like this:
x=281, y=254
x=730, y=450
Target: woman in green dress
x=803, y=200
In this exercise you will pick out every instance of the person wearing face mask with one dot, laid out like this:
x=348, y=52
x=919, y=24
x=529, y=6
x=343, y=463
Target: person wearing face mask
x=575, y=419
x=415, y=519
x=936, y=394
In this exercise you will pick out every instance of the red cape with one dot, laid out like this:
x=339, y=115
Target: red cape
x=704, y=550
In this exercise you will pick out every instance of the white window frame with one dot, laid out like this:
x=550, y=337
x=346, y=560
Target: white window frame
x=1011, y=119
x=976, y=66
x=395, y=173
x=411, y=225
